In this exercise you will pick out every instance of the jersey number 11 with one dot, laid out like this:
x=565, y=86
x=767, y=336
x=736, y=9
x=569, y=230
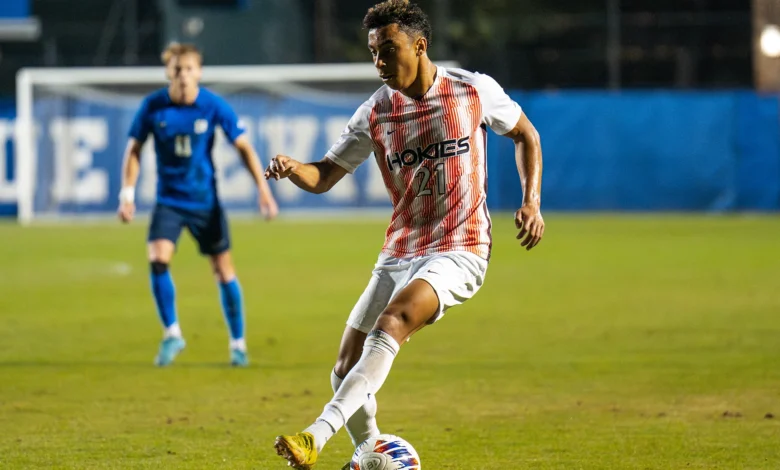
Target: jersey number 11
x=182, y=146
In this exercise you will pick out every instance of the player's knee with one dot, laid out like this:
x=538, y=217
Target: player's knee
x=223, y=269
x=345, y=363
x=224, y=275
x=158, y=267
x=342, y=368
x=394, y=319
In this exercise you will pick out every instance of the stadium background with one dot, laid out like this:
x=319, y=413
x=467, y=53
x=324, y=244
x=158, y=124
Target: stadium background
x=629, y=338
x=642, y=105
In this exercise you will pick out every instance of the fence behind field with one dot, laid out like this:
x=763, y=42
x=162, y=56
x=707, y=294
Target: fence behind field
x=603, y=151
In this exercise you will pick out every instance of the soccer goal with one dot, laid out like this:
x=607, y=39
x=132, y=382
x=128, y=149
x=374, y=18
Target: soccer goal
x=72, y=128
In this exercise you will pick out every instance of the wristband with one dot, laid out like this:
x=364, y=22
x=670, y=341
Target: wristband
x=127, y=195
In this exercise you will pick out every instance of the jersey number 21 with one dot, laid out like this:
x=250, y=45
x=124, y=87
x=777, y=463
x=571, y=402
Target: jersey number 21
x=182, y=146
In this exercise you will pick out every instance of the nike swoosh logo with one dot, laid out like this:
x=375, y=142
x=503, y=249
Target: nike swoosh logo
x=390, y=132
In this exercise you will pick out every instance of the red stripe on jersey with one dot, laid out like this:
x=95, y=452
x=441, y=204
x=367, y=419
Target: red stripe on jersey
x=452, y=172
x=381, y=153
x=412, y=135
x=403, y=223
x=425, y=181
x=376, y=136
x=485, y=183
x=476, y=221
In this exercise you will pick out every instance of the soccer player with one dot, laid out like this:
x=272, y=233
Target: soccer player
x=183, y=118
x=427, y=127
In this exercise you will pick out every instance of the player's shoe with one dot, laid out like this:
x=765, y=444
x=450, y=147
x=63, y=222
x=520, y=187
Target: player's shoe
x=299, y=450
x=170, y=347
x=238, y=358
x=347, y=466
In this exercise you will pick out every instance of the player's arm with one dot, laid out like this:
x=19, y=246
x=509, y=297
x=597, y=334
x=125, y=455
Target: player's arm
x=317, y=177
x=505, y=117
x=234, y=131
x=131, y=166
x=131, y=162
x=528, y=156
x=350, y=151
x=251, y=160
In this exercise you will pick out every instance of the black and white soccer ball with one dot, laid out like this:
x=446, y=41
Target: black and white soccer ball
x=385, y=452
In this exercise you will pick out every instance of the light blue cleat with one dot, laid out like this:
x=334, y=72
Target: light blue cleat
x=170, y=347
x=238, y=358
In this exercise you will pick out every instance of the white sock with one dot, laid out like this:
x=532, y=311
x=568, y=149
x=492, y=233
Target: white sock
x=362, y=382
x=172, y=331
x=322, y=432
x=239, y=344
x=362, y=424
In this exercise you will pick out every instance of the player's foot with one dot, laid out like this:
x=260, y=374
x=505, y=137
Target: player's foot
x=347, y=466
x=299, y=450
x=170, y=347
x=238, y=358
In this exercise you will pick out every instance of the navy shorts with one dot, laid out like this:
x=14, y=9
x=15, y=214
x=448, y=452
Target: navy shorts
x=209, y=228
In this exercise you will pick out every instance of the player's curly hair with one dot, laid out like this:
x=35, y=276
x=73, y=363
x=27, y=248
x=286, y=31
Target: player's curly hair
x=407, y=15
x=176, y=49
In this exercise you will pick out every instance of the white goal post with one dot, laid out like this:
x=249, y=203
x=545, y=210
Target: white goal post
x=72, y=123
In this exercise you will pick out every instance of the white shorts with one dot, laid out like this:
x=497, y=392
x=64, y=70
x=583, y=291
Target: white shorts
x=455, y=277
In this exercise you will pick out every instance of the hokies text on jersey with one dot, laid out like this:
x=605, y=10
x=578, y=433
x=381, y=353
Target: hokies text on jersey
x=415, y=156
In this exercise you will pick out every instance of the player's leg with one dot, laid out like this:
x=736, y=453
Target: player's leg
x=362, y=424
x=212, y=233
x=385, y=277
x=409, y=311
x=232, y=305
x=299, y=449
x=438, y=283
x=164, y=230
x=160, y=253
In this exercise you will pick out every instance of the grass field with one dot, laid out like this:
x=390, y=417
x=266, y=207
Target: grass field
x=642, y=342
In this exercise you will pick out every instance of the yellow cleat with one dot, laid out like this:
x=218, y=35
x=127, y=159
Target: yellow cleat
x=299, y=450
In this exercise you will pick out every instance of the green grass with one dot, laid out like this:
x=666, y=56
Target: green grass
x=620, y=342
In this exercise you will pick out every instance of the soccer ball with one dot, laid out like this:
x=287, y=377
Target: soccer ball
x=385, y=452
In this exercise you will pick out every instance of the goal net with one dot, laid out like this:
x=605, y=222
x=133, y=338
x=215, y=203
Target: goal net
x=72, y=126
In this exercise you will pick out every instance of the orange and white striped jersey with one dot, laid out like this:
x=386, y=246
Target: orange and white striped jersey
x=432, y=154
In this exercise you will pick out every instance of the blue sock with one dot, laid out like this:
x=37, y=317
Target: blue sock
x=232, y=307
x=164, y=293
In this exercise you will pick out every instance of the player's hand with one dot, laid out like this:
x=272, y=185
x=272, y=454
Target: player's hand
x=528, y=219
x=126, y=211
x=268, y=206
x=281, y=167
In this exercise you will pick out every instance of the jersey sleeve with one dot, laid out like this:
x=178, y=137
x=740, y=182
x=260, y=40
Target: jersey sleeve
x=355, y=144
x=228, y=121
x=499, y=111
x=140, y=127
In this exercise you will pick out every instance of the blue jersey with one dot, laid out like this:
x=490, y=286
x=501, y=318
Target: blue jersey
x=183, y=141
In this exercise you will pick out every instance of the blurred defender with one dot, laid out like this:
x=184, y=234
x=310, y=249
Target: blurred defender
x=427, y=128
x=183, y=118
